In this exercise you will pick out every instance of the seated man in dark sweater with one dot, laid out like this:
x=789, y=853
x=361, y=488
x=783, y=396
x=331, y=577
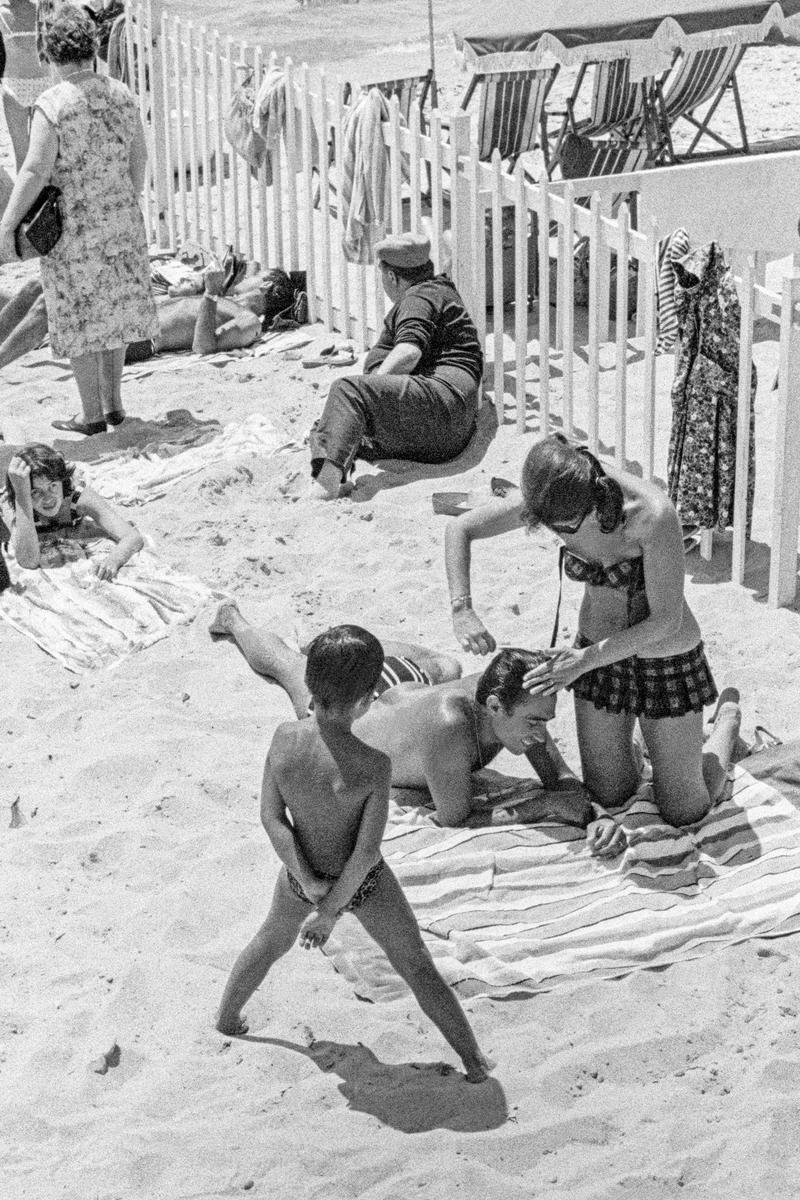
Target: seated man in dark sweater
x=418, y=399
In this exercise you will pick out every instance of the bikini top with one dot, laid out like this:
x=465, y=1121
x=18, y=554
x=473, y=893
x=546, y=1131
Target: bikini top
x=627, y=574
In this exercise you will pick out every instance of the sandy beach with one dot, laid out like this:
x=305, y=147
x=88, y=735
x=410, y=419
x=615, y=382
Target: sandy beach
x=140, y=868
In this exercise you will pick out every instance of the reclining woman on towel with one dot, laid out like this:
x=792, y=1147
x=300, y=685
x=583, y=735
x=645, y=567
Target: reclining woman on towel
x=45, y=494
x=638, y=654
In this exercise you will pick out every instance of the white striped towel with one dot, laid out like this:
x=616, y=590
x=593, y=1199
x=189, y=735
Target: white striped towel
x=527, y=908
x=677, y=245
x=365, y=177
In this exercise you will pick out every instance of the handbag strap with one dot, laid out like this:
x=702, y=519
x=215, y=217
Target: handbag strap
x=561, y=553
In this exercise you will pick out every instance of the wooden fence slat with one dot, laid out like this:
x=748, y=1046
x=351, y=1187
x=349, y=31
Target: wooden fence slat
x=414, y=167
x=521, y=292
x=543, y=227
x=786, y=493
x=275, y=253
x=743, y=407
x=219, y=148
x=595, y=283
x=478, y=239
x=292, y=164
x=649, y=371
x=231, y=80
x=324, y=136
x=497, y=287
x=169, y=142
x=567, y=275
x=621, y=332
x=437, y=194
x=306, y=127
x=180, y=117
x=262, y=223
x=246, y=177
x=194, y=174
x=395, y=167
x=208, y=209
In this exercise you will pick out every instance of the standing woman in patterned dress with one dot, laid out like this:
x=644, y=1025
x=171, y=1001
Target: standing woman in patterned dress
x=87, y=139
x=25, y=76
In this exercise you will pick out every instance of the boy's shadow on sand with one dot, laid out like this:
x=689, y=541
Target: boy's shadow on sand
x=411, y=1097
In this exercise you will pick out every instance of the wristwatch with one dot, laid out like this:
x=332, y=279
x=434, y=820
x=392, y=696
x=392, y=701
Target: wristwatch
x=460, y=603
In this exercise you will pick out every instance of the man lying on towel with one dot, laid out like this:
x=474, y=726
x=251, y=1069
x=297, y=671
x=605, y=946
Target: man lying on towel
x=205, y=324
x=437, y=728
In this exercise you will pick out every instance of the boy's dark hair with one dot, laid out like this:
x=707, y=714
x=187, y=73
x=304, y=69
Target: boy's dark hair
x=503, y=676
x=43, y=460
x=560, y=482
x=343, y=665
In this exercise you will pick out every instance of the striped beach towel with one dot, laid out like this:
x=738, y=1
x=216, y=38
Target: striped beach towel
x=677, y=245
x=523, y=909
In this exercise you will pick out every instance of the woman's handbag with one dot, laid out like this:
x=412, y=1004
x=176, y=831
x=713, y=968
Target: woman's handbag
x=42, y=226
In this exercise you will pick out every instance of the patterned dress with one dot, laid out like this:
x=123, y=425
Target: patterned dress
x=701, y=469
x=97, y=279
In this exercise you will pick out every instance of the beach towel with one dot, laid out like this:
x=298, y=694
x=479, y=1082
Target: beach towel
x=523, y=909
x=85, y=622
x=135, y=477
x=365, y=177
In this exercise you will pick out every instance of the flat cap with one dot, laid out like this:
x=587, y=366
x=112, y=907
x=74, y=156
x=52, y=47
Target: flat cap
x=404, y=250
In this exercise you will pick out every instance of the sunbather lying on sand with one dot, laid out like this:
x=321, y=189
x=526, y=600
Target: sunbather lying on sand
x=205, y=324
x=44, y=494
x=437, y=728
x=324, y=806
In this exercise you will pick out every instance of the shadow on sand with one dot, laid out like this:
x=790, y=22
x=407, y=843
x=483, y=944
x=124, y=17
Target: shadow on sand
x=411, y=1097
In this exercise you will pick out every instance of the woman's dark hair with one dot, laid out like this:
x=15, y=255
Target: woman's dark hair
x=70, y=36
x=43, y=460
x=413, y=274
x=344, y=665
x=560, y=482
x=504, y=674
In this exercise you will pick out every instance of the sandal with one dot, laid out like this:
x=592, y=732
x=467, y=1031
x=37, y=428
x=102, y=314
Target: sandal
x=115, y=417
x=332, y=356
x=76, y=425
x=764, y=740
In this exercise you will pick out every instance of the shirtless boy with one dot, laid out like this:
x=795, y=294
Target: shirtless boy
x=438, y=729
x=324, y=805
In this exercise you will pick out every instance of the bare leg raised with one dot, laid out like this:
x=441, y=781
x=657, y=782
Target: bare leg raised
x=266, y=653
x=387, y=917
x=275, y=937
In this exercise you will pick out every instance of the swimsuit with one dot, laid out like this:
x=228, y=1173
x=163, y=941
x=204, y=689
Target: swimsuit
x=359, y=896
x=396, y=670
x=644, y=687
x=25, y=89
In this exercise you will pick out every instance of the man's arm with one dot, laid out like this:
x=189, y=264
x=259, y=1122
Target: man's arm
x=446, y=762
x=401, y=360
x=548, y=763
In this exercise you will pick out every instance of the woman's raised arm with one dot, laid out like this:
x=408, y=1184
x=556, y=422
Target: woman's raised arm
x=490, y=520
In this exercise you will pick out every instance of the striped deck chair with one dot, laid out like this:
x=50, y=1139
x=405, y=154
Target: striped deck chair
x=618, y=107
x=407, y=89
x=511, y=112
x=699, y=77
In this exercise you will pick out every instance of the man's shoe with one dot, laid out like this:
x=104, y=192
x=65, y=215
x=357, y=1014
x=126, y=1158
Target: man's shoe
x=76, y=425
x=115, y=417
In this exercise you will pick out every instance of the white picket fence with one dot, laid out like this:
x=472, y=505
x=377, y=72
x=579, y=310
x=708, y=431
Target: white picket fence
x=503, y=232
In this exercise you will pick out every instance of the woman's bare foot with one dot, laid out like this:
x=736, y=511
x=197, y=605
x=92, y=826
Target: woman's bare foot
x=478, y=1070
x=226, y=614
x=234, y=1026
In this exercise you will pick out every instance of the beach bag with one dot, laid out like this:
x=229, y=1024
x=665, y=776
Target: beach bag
x=41, y=227
x=239, y=129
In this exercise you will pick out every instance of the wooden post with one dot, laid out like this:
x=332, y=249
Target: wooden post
x=543, y=300
x=786, y=497
x=497, y=285
x=621, y=332
x=593, y=349
x=169, y=144
x=743, y=406
x=520, y=291
x=649, y=372
x=568, y=304
x=460, y=207
x=292, y=164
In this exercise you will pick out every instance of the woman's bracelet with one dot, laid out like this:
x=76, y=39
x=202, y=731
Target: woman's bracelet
x=459, y=603
x=210, y=296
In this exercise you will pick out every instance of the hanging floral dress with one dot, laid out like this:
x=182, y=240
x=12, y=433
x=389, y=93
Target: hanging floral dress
x=97, y=279
x=701, y=469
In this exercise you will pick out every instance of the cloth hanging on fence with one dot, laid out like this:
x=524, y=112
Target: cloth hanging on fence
x=701, y=468
x=676, y=246
x=269, y=120
x=365, y=177
x=239, y=128
x=117, y=53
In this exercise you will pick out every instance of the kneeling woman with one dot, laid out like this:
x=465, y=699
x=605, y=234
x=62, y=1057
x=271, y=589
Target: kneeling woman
x=44, y=495
x=638, y=654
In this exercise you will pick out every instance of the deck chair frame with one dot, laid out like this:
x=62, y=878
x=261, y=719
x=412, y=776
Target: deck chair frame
x=501, y=92
x=407, y=88
x=669, y=109
x=618, y=107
